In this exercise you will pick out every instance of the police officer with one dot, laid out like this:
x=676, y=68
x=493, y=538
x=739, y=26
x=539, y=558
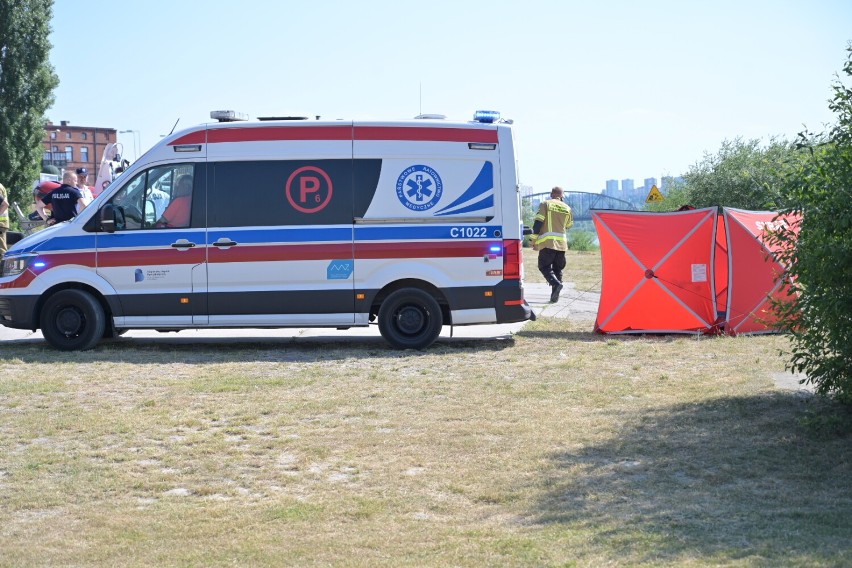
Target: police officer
x=4, y=219
x=82, y=181
x=67, y=201
x=553, y=219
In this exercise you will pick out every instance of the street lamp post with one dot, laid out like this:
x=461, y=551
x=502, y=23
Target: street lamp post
x=135, y=147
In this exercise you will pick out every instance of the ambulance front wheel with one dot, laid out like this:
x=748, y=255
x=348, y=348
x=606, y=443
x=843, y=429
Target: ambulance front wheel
x=410, y=319
x=72, y=320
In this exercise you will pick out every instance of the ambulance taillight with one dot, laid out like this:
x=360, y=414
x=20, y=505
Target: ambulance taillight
x=512, y=259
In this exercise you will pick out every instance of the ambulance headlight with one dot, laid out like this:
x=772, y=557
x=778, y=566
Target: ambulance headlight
x=486, y=116
x=14, y=265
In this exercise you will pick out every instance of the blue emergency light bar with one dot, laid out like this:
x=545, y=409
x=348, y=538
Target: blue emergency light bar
x=486, y=116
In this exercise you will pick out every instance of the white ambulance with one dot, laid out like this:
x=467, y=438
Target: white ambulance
x=287, y=223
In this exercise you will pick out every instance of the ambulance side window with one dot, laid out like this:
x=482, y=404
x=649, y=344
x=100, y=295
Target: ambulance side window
x=280, y=193
x=143, y=202
x=169, y=196
x=129, y=204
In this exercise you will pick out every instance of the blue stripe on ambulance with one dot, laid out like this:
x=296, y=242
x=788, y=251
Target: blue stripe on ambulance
x=60, y=244
x=486, y=203
x=141, y=239
x=420, y=232
x=265, y=235
x=483, y=184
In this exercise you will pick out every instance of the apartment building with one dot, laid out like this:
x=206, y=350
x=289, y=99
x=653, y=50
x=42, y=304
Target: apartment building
x=72, y=147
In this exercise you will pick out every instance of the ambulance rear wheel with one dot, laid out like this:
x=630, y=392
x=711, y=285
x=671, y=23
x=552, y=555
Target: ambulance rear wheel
x=410, y=319
x=72, y=320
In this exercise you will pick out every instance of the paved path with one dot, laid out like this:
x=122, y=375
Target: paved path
x=572, y=304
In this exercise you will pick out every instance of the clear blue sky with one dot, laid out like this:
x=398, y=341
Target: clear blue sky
x=597, y=90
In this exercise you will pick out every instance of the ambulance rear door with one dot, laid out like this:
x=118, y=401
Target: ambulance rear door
x=434, y=212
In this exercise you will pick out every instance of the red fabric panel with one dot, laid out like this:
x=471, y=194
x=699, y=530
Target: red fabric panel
x=620, y=273
x=754, y=273
x=675, y=250
x=721, y=266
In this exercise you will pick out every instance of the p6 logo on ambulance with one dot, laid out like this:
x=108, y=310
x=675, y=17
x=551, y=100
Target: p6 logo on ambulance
x=309, y=189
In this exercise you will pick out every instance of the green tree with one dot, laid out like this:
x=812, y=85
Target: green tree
x=27, y=81
x=743, y=174
x=819, y=258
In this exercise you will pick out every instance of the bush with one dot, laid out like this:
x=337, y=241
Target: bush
x=819, y=258
x=582, y=240
x=743, y=174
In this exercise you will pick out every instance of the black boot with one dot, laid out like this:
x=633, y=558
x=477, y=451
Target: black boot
x=554, y=295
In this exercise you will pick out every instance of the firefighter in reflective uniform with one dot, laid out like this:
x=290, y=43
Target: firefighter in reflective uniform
x=553, y=219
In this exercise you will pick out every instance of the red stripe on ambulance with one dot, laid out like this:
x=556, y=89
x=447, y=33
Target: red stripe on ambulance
x=149, y=257
x=365, y=133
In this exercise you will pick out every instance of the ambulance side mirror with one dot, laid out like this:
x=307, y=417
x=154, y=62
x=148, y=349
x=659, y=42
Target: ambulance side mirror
x=527, y=231
x=107, y=215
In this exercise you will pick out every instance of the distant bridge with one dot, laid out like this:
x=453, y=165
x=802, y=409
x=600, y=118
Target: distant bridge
x=581, y=202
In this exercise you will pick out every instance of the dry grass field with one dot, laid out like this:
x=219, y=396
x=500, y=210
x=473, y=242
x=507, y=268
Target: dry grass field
x=556, y=447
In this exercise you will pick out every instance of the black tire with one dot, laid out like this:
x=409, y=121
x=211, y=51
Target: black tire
x=72, y=320
x=410, y=319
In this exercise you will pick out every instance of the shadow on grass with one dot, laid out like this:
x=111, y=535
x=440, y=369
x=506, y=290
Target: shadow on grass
x=730, y=479
x=592, y=337
x=584, y=336
x=200, y=350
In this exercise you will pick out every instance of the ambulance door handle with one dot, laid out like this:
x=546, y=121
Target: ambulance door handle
x=224, y=242
x=182, y=244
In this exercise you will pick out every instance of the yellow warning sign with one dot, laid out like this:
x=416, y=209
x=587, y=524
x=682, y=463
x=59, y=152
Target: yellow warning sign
x=654, y=196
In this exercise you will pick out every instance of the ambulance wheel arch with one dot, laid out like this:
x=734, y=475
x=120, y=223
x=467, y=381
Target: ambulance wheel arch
x=73, y=319
x=70, y=276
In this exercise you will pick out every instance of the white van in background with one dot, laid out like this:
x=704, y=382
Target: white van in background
x=287, y=223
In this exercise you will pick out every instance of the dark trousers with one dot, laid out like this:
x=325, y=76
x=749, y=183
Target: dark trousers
x=551, y=263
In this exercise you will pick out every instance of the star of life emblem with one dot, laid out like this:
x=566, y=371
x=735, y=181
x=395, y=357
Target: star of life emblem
x=419, y=187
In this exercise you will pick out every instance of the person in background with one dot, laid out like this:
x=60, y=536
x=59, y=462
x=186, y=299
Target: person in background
x=160, y=200
x=4, y=219
x=553, y=219
x=82, y=185
x=67, y=201
x=41, y=189
x=178, y=210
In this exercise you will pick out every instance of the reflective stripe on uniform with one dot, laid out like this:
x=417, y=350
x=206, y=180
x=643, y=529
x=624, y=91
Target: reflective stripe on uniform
x=557, y=214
